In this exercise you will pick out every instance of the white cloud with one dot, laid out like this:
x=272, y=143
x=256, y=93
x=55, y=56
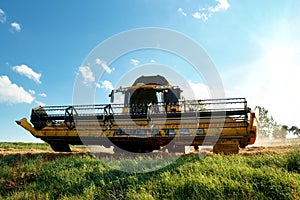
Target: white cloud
x=98, y=85
x=134, y=62
x=12, y=93
x=28, y=72
x=204, y=13
x=104, y=65
x=2, y=16
x=222, y=6
x=197, y=15
x=196, y=91
x=152, y=61
x=180, y=10
x=119, y=98
x=16, y=26
x=202, y=16
x=31, y=92
x=87, y=74
x=107, y=85
x=43, y=95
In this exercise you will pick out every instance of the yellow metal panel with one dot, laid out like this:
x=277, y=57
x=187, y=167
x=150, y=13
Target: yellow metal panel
x=162, y=132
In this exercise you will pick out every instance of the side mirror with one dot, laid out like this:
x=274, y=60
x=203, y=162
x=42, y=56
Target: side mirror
x=112, y=96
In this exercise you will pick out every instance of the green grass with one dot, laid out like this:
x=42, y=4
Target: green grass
x=81, y=176
x=24, y=145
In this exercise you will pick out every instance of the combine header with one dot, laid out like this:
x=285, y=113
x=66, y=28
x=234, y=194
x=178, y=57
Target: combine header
x=152, y=117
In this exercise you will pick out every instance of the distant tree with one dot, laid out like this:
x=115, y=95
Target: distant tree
x=279, y=131
x=268, y=127
x=295, y=130
x=265, y=123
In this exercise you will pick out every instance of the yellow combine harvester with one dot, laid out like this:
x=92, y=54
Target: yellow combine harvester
x=152, y=117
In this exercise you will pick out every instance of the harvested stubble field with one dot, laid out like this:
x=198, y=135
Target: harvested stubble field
x=34, y=171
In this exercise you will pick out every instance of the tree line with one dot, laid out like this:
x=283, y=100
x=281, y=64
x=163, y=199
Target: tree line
x=268, y=127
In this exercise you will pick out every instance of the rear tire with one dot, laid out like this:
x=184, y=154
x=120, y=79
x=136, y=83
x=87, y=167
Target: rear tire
x=226, y=149
x=124, y=149
x=244, y=143
x=60, y=147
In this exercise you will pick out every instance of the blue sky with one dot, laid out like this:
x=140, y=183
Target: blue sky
x=253, y=44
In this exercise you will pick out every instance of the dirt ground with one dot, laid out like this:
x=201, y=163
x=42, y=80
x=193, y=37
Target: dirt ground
x=256, y=150
x=9, y=151
x=250, y=150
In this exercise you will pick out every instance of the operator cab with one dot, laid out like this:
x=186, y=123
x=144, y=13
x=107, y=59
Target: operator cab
x=150, y=92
